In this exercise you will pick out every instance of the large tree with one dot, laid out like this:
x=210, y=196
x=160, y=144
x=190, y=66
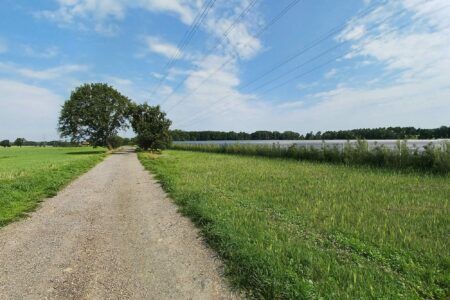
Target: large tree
x=19, y=142
x=151, y=127
x=95, y=113
x=5, y=143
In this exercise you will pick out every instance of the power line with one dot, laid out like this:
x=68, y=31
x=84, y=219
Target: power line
x=225, y=34
x=310, y=46
x=309, y=61
x=349, y=52
x=188, y=36
x=261, y=31
x=319, y=66
x=313, y=44
x=241, y=15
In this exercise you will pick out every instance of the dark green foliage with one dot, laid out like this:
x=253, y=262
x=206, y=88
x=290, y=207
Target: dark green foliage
x=115, y=141
x=434, y=158
x=19, y=142
x=5, y=143
x=393, y=133
x=126, y=141
x=179, y=135
x=95, y=112
x=151, y=126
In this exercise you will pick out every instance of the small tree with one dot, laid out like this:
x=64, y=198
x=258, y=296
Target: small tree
x=151, y=127
x=95, y=112
x=5, y=143
x=115, y=141
x=19, y=142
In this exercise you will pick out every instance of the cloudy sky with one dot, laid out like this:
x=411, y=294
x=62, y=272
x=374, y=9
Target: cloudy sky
x=240, y=65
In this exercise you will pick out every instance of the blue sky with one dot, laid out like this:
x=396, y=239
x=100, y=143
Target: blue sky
x=386, y=63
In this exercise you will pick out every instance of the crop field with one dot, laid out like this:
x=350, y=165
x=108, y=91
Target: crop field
x=432, y=157
x=29, y=174
x=290, y=229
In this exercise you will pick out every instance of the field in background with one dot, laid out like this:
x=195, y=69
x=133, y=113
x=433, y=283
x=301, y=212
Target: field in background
x=289, y=229
x=399, y=155
x=29, y=174
x=319, y=144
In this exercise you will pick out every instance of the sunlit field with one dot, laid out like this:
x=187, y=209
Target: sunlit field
x=29, y=174
x=290, y=229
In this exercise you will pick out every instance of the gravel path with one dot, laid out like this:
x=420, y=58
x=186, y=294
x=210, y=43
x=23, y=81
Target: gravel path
x=111, y=234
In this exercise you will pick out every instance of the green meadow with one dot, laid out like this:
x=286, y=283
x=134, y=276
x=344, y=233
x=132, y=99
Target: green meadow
x=30, y=174
x=291, y=229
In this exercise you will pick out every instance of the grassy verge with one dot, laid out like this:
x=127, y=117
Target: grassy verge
x=434, y=158
x=29, y=174
x=297, y=230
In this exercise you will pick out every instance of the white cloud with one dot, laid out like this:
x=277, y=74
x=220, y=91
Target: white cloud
x=417, y=94
x=305, y=86
x=292, y=105
x=134, y=88
x=165, y=90
x=157, y=75
x=352, y=33
x=184, y=8
x=419, y=51
x=156, y=45
x=102, y=13
x=241, y=39
x=416, y=59
x=45, y=74
x=48, y=52
x=215, y=75
x=98, y=9
x=224, y=78
x=119, y=81
x=34, y=108
x=204, y=87
x=331, y=73
x=420, y=60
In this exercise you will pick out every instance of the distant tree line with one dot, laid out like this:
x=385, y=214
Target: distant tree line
x=116, y=141
x=383, y=133
x=180, y=135
x=18, y=142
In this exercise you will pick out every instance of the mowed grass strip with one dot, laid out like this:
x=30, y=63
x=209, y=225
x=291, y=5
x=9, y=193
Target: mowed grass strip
x=29, y=174
x=297, y=230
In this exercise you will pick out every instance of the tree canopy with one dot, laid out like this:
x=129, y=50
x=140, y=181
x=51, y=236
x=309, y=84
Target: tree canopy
x=19, y=142
x=151, y=126
x=95, y=113
x=5, y=143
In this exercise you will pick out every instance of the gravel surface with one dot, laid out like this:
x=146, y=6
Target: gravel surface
x=111, y=234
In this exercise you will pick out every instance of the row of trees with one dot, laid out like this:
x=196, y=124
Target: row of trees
x=179, y=135
x=18, y=142
x=116, y=141
x=383, y=133
x=96, y=112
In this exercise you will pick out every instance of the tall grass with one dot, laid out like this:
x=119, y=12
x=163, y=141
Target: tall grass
x=432, y=158
x=303, y=230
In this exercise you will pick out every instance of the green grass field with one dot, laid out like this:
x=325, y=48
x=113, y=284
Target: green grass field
x=293, y=230
x=29, y=174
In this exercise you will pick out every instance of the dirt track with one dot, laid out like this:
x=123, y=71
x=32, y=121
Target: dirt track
x=111, y=234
